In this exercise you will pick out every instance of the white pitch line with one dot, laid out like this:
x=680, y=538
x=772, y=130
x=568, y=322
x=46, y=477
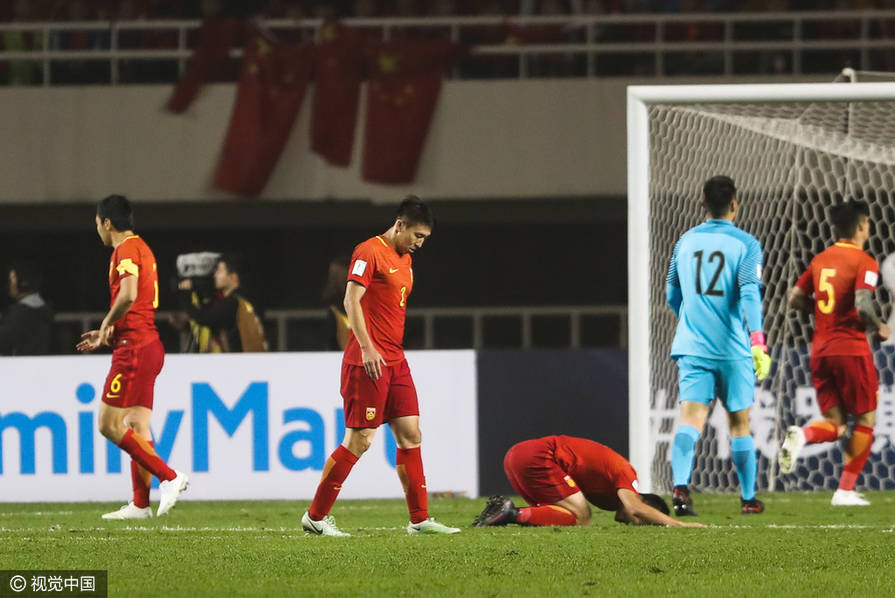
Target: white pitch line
x=165, y=528
x=180, y=528
x=829, y=526
x=35, y=513
x=795, y=526
x=301, y=532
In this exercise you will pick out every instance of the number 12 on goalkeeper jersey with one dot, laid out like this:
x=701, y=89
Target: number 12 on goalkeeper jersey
x=713, y=286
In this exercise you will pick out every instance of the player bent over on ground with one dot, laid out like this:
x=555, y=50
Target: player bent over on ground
x=137, y=358
x=842, y=279
x=376, y=383
x=559, y=475
x=713, y=287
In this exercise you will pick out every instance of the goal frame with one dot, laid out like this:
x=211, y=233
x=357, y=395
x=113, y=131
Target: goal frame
x=639, y=98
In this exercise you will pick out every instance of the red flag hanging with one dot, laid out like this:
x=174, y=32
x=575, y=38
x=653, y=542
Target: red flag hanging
x=338, y=70
x=210, y=57
x=405, y=82
x=269, y=95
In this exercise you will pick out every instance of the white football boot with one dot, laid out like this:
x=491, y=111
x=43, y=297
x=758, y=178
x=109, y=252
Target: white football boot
x=129, y=511
x=170, y=492
x=430, y=526
x=792, y=446
x=849, y=498
x=324, y=527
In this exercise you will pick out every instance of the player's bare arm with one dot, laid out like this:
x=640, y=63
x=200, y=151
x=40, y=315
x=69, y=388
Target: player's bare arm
x=373, y=361
x=94, y=339
x=640, y=513
x=867, y=313
x=799, y=300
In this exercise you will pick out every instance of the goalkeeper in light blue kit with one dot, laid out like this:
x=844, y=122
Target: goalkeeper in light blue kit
x=713, y=286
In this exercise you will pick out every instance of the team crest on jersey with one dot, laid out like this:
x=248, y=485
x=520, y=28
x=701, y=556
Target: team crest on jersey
x=371, y=413
x=570, y=481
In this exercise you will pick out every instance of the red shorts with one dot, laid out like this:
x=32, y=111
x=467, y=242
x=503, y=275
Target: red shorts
x=369, y=403
x=131, y=379
x=534, y=474
x=847, y=380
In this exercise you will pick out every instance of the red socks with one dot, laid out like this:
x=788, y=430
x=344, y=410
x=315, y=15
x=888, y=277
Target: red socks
x=141, y=481
x=142, y=452
x=820, y=431
x=856, y=456
x=337, y=468
x=546, y=515
x=410, y=471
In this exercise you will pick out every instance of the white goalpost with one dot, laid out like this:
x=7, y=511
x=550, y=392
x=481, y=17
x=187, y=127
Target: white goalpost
x=794, y=150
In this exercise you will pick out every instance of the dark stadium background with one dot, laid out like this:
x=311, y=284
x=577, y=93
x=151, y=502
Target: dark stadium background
x=482, y=253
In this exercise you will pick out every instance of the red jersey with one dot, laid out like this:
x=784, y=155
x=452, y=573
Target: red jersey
x=833, y=276
x=597, y=470
x=388, y=278
x=134, y=258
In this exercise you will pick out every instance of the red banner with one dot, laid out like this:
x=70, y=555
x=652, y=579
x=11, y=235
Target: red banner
x=338, y=70
x=210, y=56
x=405, y=82
x=270, y=93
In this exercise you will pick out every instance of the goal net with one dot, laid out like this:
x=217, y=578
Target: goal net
x=793, y=152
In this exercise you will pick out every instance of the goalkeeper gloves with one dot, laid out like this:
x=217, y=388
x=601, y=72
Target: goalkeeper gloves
x=761, y=361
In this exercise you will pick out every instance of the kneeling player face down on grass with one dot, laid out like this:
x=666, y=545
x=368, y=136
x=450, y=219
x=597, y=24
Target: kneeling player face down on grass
x=561, y=476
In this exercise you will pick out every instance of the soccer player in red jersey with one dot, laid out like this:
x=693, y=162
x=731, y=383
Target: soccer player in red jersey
x=559, y=475
x=376, y=383
x=841, y=279
x=137, y=358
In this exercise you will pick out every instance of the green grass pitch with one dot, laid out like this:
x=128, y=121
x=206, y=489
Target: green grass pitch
x=801, y=546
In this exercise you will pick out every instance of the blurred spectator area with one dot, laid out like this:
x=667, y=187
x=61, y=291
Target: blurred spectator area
x=105, y=10
x=536, y=327
x=456, y=303
x=150, y=41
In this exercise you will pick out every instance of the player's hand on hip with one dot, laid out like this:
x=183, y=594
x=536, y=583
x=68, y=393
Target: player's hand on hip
x=884, y=332
x=89, y=341
x=761, y=361
x=373, y=362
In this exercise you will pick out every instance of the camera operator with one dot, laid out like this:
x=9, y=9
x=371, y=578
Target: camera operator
x=234, y=324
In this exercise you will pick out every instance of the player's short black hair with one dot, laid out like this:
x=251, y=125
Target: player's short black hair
x=847, y=216
x=413, y=211
x=656, y=502
x=118, y=210
x=717, y=194
x=232, y=262
x=28, y=275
